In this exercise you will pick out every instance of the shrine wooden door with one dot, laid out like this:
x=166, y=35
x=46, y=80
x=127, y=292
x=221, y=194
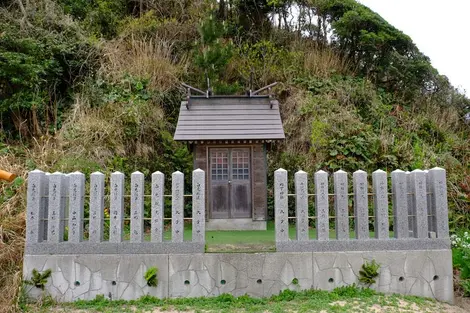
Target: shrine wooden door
x=230, y=183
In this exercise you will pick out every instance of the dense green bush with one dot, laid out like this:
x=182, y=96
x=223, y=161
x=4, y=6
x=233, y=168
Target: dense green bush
x=38, y=67
x=212, y=52
x=461, y=259
x=100, y=17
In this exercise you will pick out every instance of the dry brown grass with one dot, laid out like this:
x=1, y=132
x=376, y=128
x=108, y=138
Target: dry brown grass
x=446, y=118
x=324, y=62
x=294, y=123
x=12, y=235
x=150, y=59
x=308, y=124
x=99, y=133
x=12, y=218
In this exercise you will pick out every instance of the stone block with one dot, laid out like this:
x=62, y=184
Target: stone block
x=361, y=204
x=280, y=205
x=96, y=207
x=438, y=186
x=57, y=203
x=321, y=205
x=430, y=213
x=235, y=224
x=294, y=270
x=117, y=190
x=177, y=207
x=184, y=278
x=301, y=206
x=380, y=191
x=122, y=278
x=363, y=245
x=410, y=205
x=45, y=207
x=158, y=206
x=420, y=211
x=341, y=205
x=186, y=247
x=137, y=207
x=87, y=248
x=76, y=206
x=199, y=203
x=34, y=210
x=400, y=204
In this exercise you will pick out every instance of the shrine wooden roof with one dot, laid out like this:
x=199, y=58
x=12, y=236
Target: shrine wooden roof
x=229, y=118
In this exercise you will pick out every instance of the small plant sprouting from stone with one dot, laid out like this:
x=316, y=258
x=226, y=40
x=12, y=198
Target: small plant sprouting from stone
x=151, y=276
x=295, y=282
x=369, y=272
x=38, y=279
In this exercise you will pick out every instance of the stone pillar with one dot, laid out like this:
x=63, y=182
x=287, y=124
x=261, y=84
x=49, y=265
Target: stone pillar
x=431, y=215
x=56, y=208
x=340, y=180
x=96, y=207
x=66, y=205
x=137, y=207
x=76, y=206
x=420, y=210
x=281, y=222
x=199, y=201
x=321, y=205
x=34, y=206
x=400, y=204
x=177, y=207
x=410, y=205
x=45, y=207
x=116, y=205
x=158, y=206
x=361, y=204
x=438, y=187
x=379, y=185
x=301, y=206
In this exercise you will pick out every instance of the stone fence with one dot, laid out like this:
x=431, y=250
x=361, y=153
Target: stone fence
x=56, y=206
x=419, y=201
x=90, y=252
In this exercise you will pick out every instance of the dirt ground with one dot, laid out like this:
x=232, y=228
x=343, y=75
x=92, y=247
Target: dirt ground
x=405, y=306
x=462, y=305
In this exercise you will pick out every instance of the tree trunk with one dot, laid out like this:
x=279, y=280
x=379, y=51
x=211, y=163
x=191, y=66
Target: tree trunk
x=221, y=14
x=20, y=123
x=35, y=122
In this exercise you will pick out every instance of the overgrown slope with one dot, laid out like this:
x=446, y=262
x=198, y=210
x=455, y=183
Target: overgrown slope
x=95, y=85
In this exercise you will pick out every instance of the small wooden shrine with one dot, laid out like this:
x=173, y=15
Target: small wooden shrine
x=229, y=136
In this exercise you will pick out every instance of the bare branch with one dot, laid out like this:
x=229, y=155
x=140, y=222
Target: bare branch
x=24, y=20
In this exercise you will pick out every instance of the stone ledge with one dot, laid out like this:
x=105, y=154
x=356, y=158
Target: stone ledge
x=362, y=245
x=235, y=224
x=65, y=248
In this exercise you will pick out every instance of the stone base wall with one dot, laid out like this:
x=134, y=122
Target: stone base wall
x=426, y=273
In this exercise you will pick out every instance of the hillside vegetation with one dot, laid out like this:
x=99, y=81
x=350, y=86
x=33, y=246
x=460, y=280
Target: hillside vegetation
x=95, y=85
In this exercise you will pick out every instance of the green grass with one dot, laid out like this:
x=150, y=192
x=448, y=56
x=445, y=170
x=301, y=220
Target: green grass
x=343, y=299
x=246, y=240
x=241, y=240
